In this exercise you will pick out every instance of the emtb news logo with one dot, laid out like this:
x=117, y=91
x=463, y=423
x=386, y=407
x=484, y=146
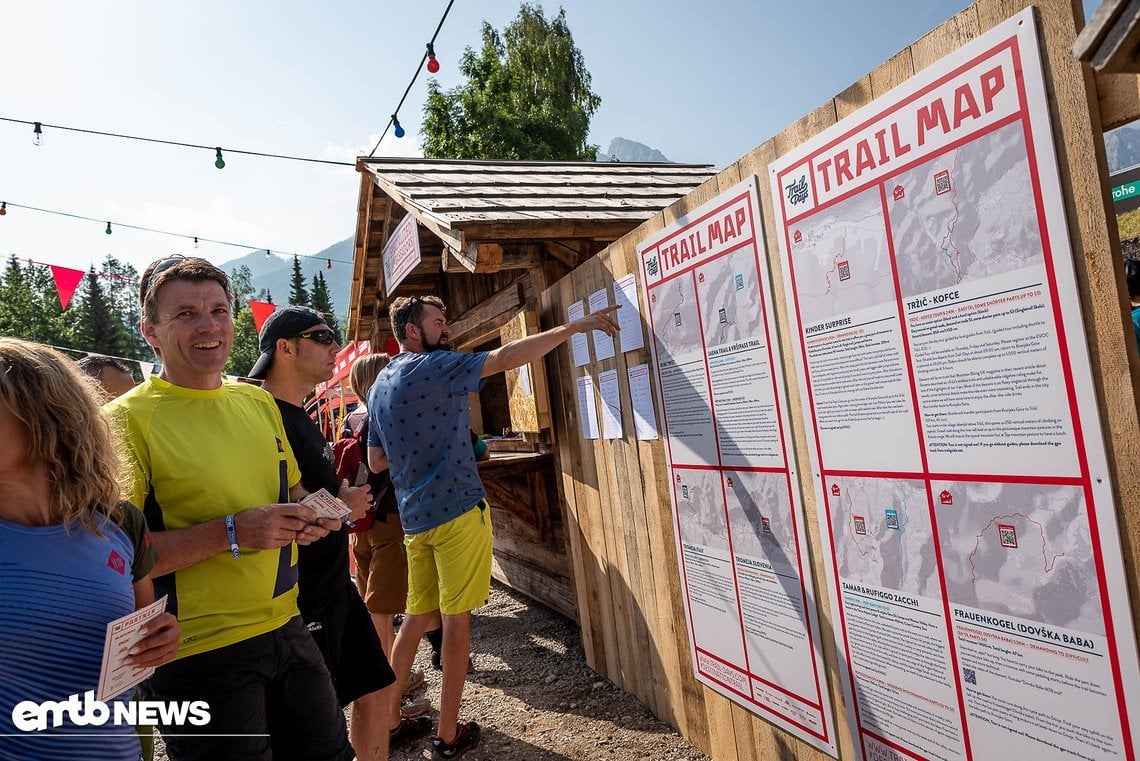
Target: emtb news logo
x=28, y=716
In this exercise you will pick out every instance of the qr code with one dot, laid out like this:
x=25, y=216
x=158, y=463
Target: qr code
x=942, y=183
x=969, y=676
x=1007, y=535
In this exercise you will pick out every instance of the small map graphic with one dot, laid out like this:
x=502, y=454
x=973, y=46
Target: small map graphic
x=760, y=517
x=1020, y=549
x=730, y=298
x=841, y=260
x=675, y=323
x=881, y=533
x=700, y=508
x=966, y=215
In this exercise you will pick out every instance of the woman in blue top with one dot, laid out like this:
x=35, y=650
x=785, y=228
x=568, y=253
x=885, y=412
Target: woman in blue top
x=73, y=557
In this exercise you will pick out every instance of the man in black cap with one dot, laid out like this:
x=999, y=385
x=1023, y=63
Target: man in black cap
x=298, y=350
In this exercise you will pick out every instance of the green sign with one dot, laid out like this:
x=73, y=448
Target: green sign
x=1127, y=190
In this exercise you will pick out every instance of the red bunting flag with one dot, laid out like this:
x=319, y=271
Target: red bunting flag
x=66, y=281
x=261, y=311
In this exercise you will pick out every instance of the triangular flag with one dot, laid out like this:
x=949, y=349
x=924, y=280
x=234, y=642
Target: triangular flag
x=147, y=368
x=261, y=311
x=66, y=281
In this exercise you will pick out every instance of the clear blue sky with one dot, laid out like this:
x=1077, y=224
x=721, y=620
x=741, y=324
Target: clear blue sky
x=701, y=82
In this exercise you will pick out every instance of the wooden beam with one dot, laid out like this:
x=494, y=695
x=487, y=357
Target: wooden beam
x=453, y=261
x=1118, y=96
x=506, y=300
x=490, y=256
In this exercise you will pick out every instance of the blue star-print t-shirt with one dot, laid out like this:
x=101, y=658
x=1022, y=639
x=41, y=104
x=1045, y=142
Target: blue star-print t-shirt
x=419, y=413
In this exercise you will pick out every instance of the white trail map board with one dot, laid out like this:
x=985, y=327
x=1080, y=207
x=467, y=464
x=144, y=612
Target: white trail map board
x=738, y=516
x=969, y=530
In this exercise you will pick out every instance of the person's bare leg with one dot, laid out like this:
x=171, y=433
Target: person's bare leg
x=368, y=730
x=456, y=651
x=403, y=655
x=385, y=631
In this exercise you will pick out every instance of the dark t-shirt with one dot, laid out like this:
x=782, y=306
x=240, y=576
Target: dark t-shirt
x=323, y=565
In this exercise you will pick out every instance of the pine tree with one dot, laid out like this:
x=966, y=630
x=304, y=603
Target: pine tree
x=298, y=294
x=121, y=282
x=98, y=326
x=527, y=96
x=244, y=352
x=322, y=302
x=16, y=301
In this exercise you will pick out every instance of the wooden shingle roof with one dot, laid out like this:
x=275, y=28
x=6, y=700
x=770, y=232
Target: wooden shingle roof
x=475, y=215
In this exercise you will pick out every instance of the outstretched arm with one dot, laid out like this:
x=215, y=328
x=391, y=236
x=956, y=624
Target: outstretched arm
x=531, y=348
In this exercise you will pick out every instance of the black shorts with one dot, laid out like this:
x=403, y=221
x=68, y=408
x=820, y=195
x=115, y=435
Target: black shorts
x=264, y=693
x=343, y=630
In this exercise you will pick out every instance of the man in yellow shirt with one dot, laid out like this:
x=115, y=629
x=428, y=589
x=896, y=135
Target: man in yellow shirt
x=212, y=469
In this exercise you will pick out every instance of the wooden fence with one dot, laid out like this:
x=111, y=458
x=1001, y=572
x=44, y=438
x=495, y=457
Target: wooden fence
x=615, y=493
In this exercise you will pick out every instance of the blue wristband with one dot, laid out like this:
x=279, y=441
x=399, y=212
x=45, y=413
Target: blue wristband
x=231, y=534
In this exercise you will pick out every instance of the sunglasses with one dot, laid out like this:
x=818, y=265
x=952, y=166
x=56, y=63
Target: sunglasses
x=324, y=337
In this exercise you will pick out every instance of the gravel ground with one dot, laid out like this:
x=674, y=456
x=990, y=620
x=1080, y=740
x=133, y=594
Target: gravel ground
x=536, y=699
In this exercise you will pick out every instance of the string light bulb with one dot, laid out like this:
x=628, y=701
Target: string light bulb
x=329, y=265
x=37, y=134
x=108, y=230
x=399, y=129
x=3, y=208
x=195, y=241
x=219, y=162
x=432, y=63
x=267, y=254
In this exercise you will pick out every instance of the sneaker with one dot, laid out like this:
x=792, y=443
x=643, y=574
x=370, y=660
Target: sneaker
x=466, y=738
x=409, y=728
x=415, y=681
x=412, y=707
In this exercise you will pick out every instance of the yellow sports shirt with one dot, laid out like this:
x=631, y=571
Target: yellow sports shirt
x=198, y=455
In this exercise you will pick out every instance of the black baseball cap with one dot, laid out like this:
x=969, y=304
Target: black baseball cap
x=283, y=323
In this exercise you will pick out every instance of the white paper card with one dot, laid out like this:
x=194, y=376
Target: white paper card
x=629, y=316
x=644, y=419
x=578, y=342
x=326, y=505
x=587, y=407
x=524, y=387
x=115, y=676
x=611, y=404
x=603, y=344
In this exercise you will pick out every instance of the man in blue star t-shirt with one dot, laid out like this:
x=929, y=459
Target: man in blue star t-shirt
x=419, y=419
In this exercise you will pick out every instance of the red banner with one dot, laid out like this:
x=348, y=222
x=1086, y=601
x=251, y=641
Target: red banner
x=66, y=281
x=261, y=311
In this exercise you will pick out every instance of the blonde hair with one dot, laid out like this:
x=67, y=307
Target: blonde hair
x=67, y=436
x=363, y=373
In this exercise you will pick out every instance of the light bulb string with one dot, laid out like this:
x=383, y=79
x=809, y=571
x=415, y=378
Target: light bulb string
x=415, y=76
x=177, y=143
x=196, y=238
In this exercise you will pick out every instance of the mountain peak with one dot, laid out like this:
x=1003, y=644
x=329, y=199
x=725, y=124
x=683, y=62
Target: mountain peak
x=632, y=151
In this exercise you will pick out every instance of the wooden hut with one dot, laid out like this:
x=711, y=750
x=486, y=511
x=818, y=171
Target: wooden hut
x=492, y=236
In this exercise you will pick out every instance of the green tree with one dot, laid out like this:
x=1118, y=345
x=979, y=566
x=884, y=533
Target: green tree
x=322, y=302
x=121, y=281
x=244, y=352
x=298, y=294
x=527, y=97
x=16, y=302
x=98, y=325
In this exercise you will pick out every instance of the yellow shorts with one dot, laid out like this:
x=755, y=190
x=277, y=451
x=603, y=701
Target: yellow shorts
x=449, y=566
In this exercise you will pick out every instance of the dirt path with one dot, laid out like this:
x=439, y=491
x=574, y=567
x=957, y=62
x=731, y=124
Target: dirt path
x=536, y=699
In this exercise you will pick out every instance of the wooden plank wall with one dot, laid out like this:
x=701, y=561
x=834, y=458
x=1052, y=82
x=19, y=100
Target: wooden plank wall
x=614, y=493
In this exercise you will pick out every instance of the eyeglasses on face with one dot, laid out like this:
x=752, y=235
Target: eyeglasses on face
x=324, y=337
